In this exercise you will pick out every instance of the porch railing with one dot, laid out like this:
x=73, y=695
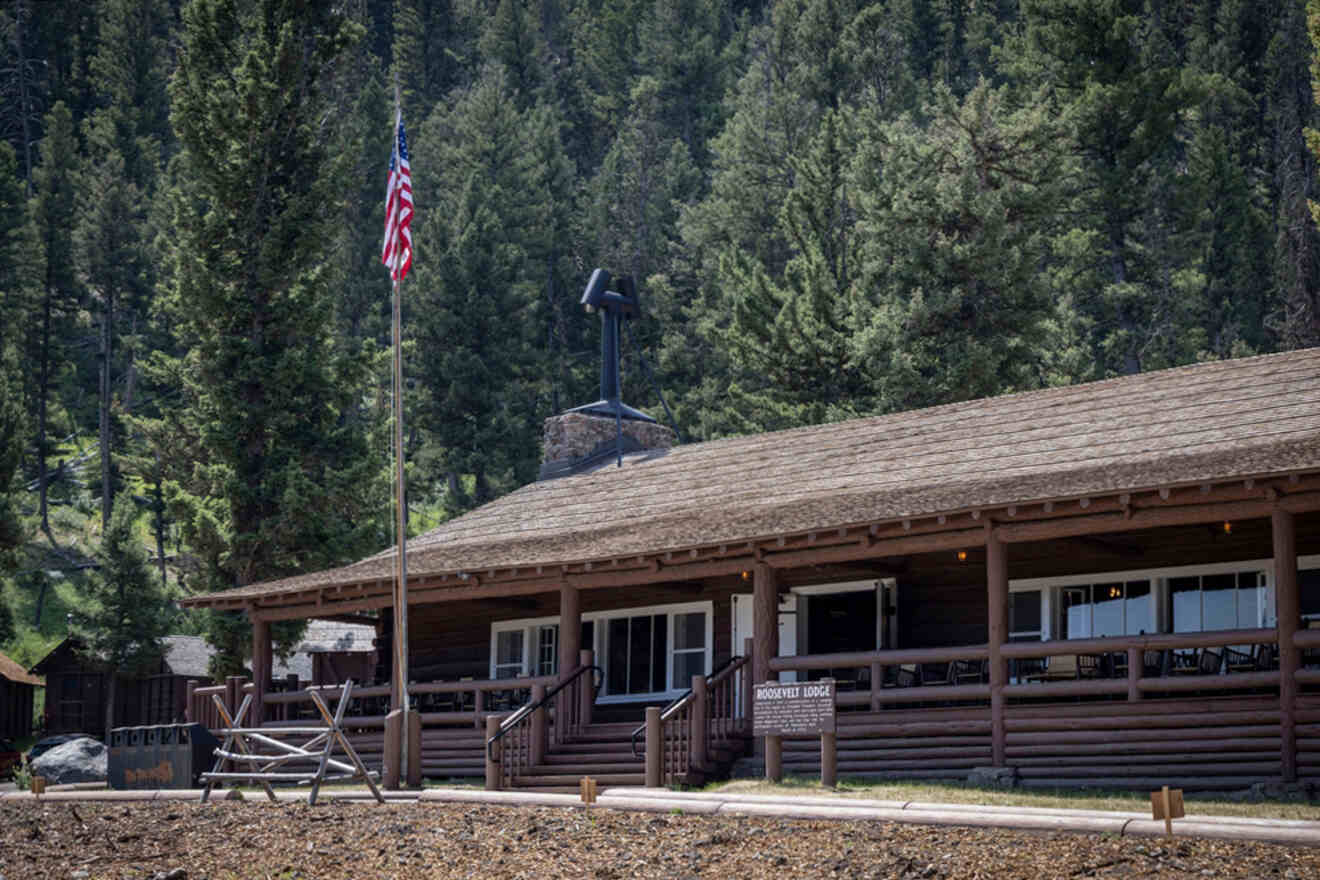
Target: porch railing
x=519, y=742
x=1187, y=662
x=709, y=714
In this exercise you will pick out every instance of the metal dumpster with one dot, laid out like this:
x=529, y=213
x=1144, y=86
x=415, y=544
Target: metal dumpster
x=161, y=756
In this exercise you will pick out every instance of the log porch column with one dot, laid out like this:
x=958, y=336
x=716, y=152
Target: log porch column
x=1288, y=605
x=996, y=569
x=765, y=622
x=570, y=628
x=261, y=670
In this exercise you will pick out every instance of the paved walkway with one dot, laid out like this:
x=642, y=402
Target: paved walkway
x=1287, y=831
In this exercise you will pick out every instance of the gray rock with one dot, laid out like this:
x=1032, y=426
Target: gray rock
x=1282, y=791
x=993, y=777
x=79, y=760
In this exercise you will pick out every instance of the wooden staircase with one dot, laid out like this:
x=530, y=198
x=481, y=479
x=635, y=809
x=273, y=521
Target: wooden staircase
x=601, y=751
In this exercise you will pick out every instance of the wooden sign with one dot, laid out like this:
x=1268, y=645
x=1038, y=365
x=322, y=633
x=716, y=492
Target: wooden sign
x=1167, y=804
x=587, y=790
x=38, y=785
x=793, y=709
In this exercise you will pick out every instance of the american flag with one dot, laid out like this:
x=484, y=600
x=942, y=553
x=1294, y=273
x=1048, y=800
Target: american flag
x=396, y=252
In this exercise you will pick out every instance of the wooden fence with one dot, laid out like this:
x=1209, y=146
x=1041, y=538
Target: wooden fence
x=1199, y=710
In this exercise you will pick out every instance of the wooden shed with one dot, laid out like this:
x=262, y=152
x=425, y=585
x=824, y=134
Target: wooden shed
x=1111, y=583
x=17, y=691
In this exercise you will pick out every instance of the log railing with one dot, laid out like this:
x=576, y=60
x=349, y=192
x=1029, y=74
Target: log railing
x=710, y=713
x=962, y=676
x=519, y=742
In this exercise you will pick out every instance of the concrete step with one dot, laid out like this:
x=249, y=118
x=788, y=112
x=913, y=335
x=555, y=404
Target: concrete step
x=570, y=782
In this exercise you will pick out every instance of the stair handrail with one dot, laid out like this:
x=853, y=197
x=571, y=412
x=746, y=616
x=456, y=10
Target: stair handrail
x=532, y=705
x=733, y=663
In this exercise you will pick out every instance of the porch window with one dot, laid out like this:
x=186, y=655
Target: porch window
x=1024, y=616
x=643, y=651
x=1308, y=586
x=1216, y=601
x=509, y=653
x=1109, y=609
x=635, y=654
x=689, y=647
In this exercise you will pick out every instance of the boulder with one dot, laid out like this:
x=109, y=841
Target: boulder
x=993, y=777
x=79, y=760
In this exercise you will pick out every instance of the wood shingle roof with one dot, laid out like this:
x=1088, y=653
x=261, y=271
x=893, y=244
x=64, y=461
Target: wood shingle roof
x=1207, y=422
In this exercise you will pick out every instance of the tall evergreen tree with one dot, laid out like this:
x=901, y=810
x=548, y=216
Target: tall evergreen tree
x=281, y=482
x=956, y=221
x=54, y=210
x=20, y=279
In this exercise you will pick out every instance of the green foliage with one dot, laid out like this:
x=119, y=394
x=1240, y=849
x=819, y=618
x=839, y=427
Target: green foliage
x=126, y=612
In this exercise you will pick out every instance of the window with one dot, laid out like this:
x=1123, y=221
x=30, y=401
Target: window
x=1216, y=601
x=1115, y=608
x=643, y=651
x=1024, y=616
x=509, y=653
x=689, y=647
x=547, y=649
x=1308, y=586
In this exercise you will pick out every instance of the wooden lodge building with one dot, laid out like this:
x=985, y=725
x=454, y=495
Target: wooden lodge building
x=17, y=690
x=1115, y=583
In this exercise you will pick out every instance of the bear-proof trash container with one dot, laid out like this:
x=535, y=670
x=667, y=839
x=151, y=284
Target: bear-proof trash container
x=160, y=756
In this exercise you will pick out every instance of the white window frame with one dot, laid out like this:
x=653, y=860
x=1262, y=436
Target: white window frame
x=599, y=620
x=1159, y=581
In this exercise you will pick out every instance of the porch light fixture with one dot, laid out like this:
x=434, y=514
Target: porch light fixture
x=1115, y=592
x=746, y=575
x=1228, y=527
x=962, y=555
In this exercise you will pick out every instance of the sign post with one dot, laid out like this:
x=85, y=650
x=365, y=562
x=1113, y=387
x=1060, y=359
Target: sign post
x=795, y=709
x=1167, y=804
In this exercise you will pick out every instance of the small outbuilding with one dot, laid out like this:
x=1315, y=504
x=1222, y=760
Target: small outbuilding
x=17, y=690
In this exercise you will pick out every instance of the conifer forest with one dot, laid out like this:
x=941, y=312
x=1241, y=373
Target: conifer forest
x=831, y=208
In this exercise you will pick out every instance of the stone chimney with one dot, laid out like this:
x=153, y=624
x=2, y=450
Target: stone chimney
x=576, y=442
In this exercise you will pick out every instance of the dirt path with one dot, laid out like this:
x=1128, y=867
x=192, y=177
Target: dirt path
x=354, y=840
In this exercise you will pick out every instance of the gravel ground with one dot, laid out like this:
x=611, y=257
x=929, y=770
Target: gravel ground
x=184, y=841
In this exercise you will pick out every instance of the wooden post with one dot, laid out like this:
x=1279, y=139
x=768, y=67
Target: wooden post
x=774, y=758
x=654, y=747
x=765, y=631
x=1288, y=604
x=829, y=760
x=261, y=670
x=765, y=623
x=393, y=749
x=570, y=628
x=877, y=682
x=996, y=567
x=700, y=714
x=478, y=707
x=414, y=748
x=536, y=735
x=570, y=650
x=587, y=691
x=747, y=683
x=492, y=754
x=189, y=713
x=1136, y=661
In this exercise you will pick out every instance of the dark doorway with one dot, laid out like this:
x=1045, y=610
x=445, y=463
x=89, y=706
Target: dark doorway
x=838, y=622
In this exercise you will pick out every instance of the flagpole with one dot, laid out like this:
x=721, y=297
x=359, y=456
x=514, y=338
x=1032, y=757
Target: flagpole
x=400, y=641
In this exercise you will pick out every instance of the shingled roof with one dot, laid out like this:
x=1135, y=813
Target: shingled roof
x=17, y=674
x=1208, y=422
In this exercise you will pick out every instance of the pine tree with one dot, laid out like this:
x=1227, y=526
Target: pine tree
x=125, y=613
x=957, y=211
x=53, y=207
x=270, y=475
x=476, y=294
x=20, y=279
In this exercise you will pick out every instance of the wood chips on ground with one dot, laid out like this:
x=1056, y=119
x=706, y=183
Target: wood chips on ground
x=356, y=840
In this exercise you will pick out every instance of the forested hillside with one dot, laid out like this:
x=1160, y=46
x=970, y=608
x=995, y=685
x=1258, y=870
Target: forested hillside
x=832, y=208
